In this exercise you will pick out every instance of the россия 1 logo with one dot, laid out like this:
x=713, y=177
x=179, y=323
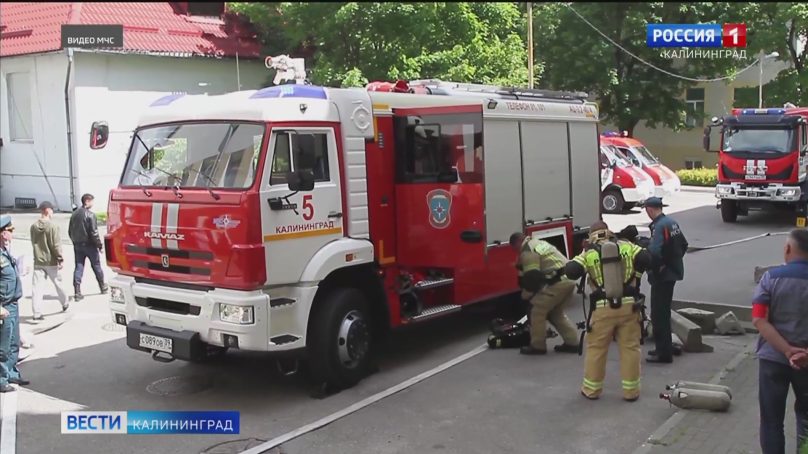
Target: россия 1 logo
x=695, y=35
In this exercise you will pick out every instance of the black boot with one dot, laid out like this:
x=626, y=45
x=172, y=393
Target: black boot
x=77, y=296
x=104, y=288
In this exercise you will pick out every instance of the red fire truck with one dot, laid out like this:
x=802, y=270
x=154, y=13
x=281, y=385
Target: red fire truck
x=762, y=162
x=305, y=220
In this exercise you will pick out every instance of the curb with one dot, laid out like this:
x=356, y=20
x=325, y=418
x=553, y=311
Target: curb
x=662, y=431
x=708, y=189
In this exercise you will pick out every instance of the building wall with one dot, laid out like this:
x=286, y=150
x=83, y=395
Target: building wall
x=116, y=88
x=104, y=87
x=35, y=167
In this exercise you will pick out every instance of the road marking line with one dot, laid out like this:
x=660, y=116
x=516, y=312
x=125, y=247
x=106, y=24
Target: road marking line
x=8, y=423
x=277, y=441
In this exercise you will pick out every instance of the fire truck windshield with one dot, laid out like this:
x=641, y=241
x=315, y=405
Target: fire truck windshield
x=758, y=140
x=646, y=156
x=189, y=155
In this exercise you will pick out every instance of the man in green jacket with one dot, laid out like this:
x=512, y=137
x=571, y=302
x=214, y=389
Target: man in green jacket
x=48, y=258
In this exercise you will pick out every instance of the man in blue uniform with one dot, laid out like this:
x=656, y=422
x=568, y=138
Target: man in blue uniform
x=668, y=247
x=10, y=293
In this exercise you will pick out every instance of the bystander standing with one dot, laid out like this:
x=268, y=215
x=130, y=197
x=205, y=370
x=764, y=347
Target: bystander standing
x=48, y=260
x=780, y=313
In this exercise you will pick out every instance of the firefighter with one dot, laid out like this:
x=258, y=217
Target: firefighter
x=541, y=277
x=614, y=267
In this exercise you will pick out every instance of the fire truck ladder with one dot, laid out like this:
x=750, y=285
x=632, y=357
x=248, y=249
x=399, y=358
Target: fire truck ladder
x=438, y=87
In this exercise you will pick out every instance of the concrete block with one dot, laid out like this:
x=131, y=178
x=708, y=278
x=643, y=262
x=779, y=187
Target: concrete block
x=729, y=324
x=760, y=271
x=677, y=342
x=705, y=319
x=688, y=332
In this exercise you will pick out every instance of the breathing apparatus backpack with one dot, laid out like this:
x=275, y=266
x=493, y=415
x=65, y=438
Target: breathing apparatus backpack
x=614, y=287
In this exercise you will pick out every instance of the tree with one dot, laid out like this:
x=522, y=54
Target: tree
x=356, y=42
x=576, y=57
x=781, y=27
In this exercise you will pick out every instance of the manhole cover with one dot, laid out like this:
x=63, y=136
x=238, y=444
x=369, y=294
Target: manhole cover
x=237, y=446
x=180, y=386
x=113, y=327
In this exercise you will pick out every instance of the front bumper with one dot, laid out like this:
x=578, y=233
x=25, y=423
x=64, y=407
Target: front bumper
x=771, y=193
x=637, y=195
x=190, y=317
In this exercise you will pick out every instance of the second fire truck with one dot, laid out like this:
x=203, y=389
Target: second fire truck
x=763, y=161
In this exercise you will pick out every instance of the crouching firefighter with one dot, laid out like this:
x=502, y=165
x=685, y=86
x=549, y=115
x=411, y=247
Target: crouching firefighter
x=614, y=267
x=544, y=286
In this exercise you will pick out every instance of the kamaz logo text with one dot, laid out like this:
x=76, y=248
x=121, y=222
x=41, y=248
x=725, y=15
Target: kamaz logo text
x=164, y=236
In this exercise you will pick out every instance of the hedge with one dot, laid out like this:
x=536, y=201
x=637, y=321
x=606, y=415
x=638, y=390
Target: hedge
x=698, y=177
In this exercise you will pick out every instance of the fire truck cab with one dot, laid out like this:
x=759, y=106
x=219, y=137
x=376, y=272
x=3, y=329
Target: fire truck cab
x=306, y=221
x=763, y=161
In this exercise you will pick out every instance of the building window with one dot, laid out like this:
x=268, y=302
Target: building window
x=19, y=106
x=692, y=163
x=745, y=97
x=695, y=107
x=283, y=163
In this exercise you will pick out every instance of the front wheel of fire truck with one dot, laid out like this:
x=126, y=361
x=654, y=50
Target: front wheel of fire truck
x=339, y=347
x=729, y=210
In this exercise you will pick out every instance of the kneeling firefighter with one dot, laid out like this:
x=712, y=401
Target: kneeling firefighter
x=614, y=267
x=541, y=277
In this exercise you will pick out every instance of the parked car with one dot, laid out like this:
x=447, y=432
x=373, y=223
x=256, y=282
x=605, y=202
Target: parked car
x=623, y=185
x=665, y=180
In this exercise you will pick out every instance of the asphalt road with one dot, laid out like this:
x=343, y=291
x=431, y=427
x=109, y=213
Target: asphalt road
x=497, y=401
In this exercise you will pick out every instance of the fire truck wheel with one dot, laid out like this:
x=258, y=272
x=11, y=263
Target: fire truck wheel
x=339, y=352
x=612, y=201
x=729, y=211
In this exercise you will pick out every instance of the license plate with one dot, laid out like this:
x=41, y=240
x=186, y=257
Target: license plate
x=158, y=343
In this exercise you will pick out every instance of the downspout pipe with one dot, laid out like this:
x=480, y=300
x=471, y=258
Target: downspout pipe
x=69, y=52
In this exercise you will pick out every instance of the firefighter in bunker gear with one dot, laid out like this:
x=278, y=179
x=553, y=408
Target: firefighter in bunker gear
x=541, y=278
x=614, y=267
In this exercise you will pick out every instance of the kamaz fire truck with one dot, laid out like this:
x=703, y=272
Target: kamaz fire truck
x=306, y=221
x=762, y=162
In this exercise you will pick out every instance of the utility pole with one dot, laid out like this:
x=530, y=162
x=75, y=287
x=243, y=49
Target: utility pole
x=530, y=45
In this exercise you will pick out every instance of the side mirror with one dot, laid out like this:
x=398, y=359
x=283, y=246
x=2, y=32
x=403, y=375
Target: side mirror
x=705, y=141
x=302, y=180
x=99, y=135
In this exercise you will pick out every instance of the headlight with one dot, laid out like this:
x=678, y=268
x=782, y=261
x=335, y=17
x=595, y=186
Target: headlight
x=242, y=315
x=116, y=295
x=788, y=192
x=724, y=190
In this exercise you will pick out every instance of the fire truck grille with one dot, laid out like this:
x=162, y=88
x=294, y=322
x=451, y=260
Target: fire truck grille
x=173, y=307
x=173, y=253
x=784, y=175
x=162, y=260
x=182, y=269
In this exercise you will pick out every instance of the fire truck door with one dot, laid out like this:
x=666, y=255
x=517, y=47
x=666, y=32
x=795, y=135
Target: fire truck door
x=440, y=198
x=297, y=224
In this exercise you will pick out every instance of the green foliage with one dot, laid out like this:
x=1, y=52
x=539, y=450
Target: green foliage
x=102, y=217
x=698, y=177
x=804, y=449
x=356, y=42
x=578, y=58
x=777, y=27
